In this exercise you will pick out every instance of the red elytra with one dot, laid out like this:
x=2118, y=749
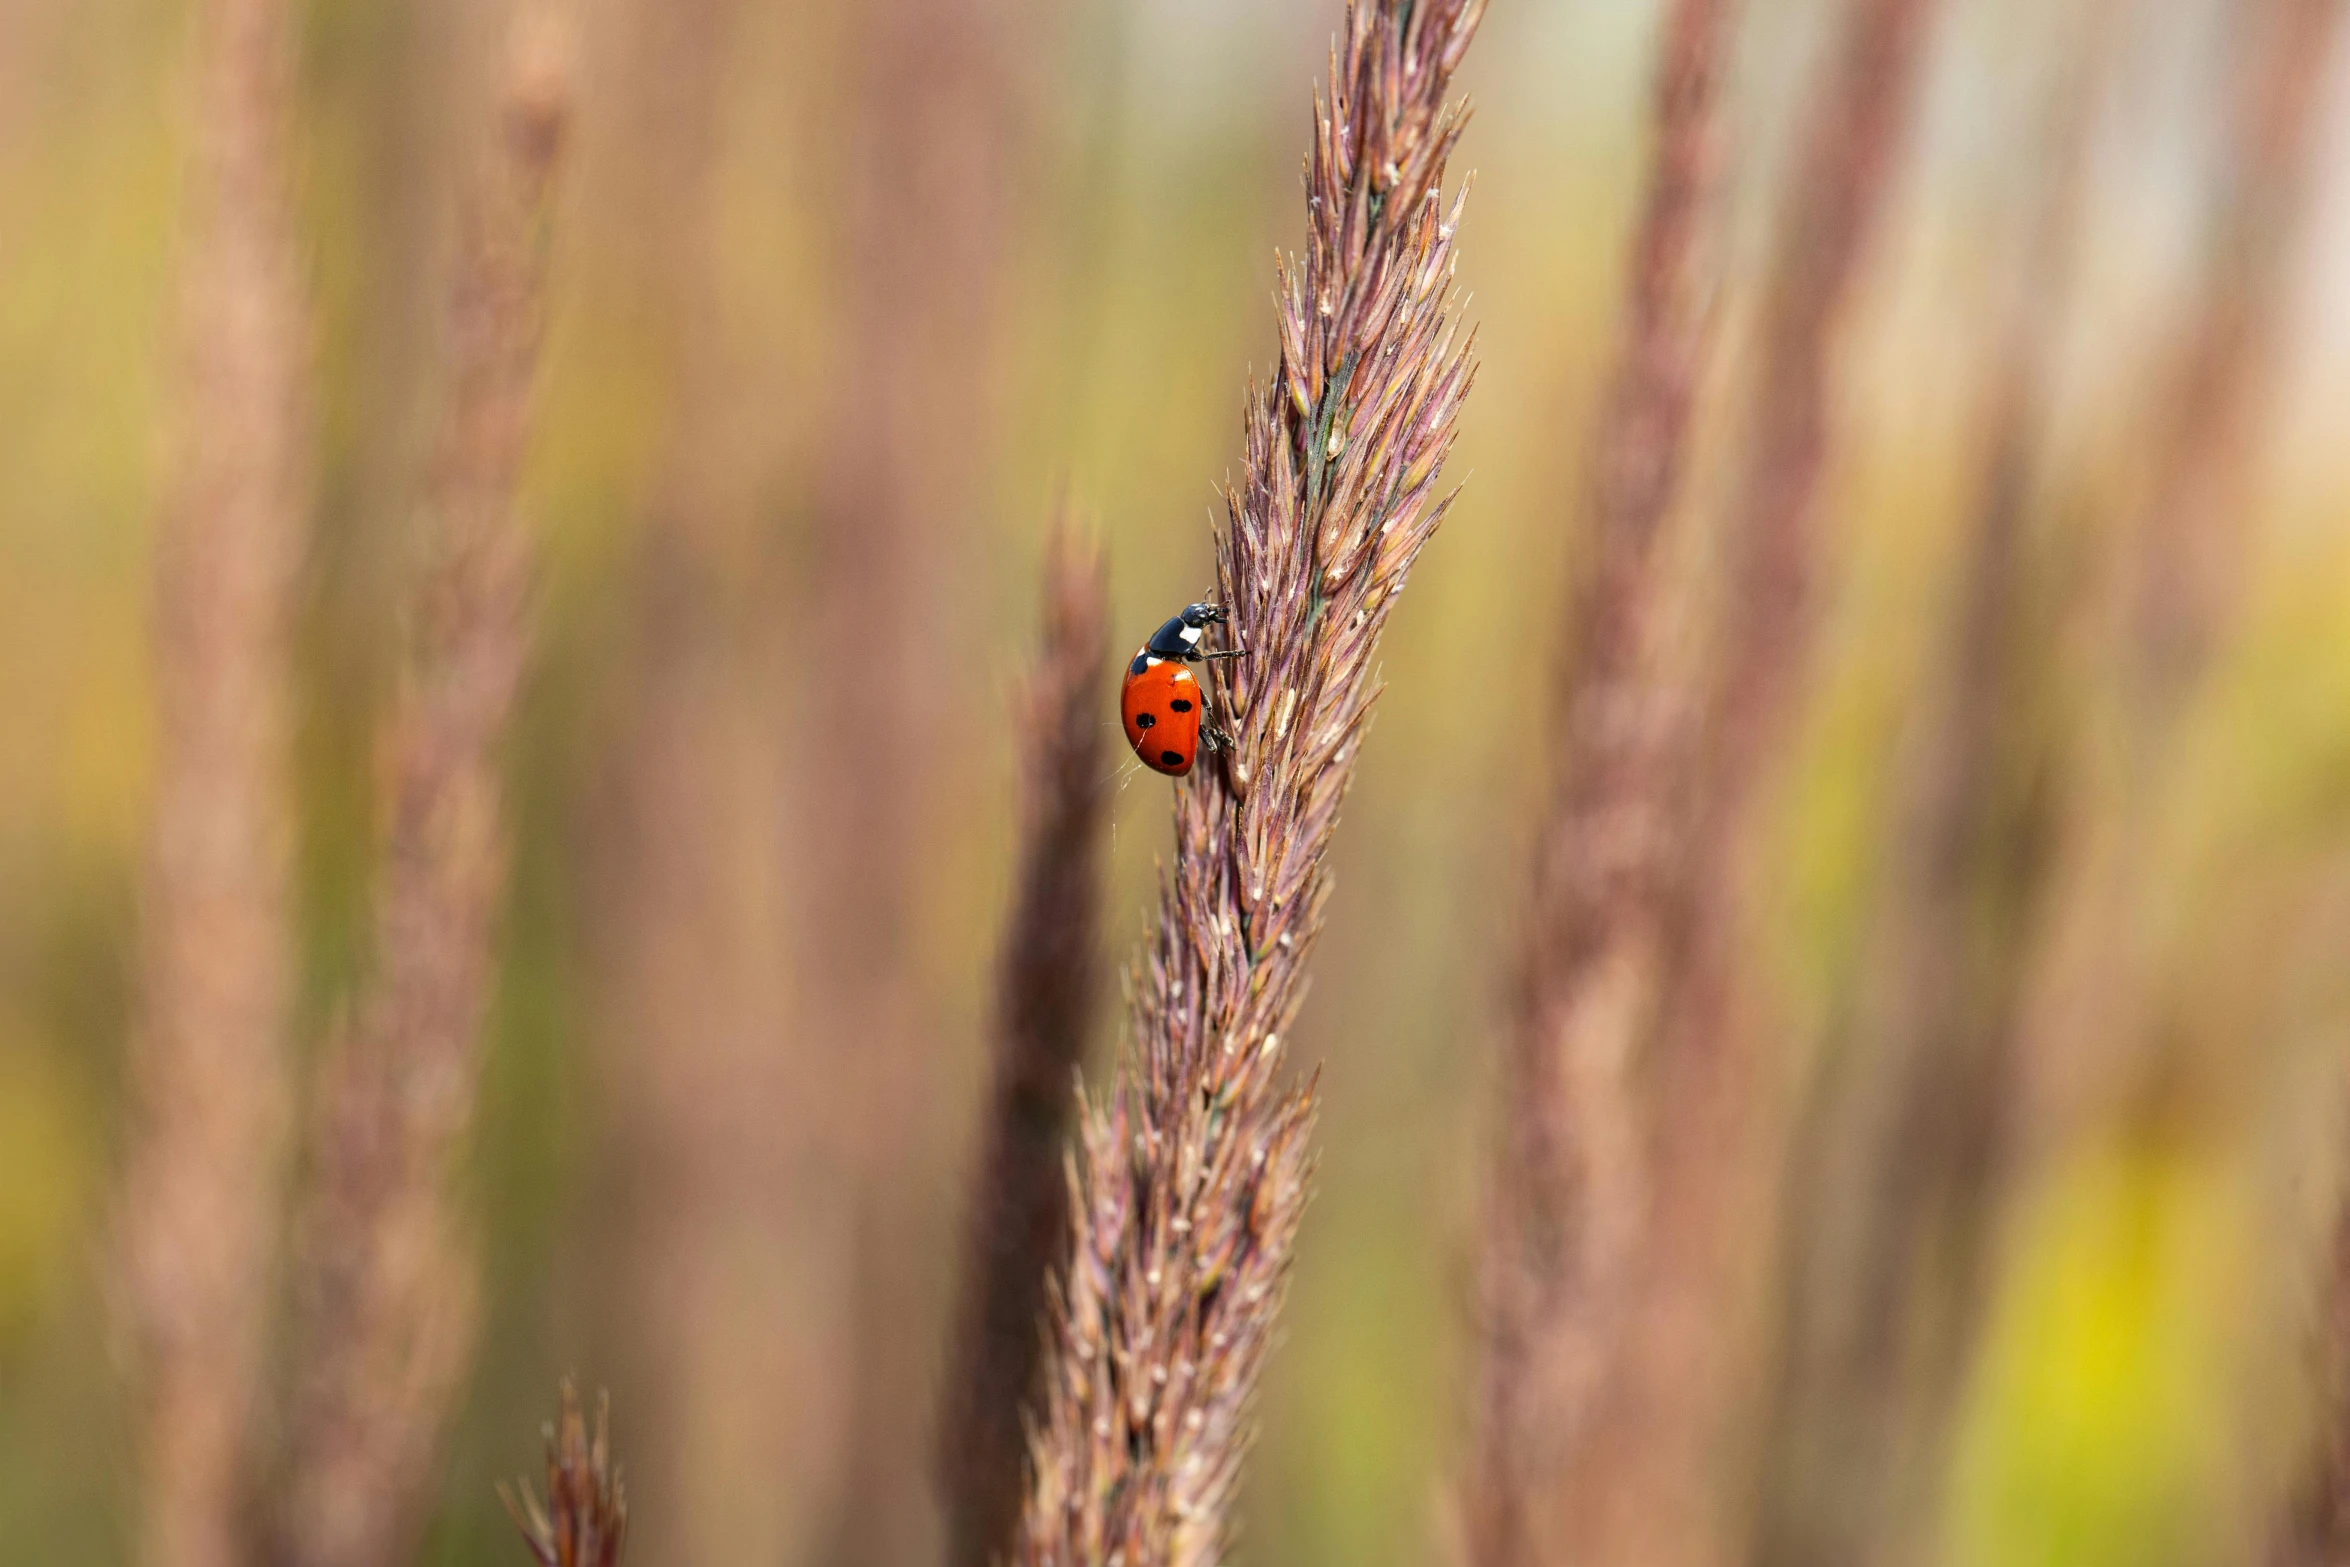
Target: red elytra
x=1161, y=706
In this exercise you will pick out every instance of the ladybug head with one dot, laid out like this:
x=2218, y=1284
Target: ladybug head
x=1180, y=637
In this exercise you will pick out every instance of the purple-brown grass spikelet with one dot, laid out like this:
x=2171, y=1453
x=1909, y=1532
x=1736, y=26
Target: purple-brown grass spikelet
x=1187, y=1200
x=384, y=1277
x=584, y=1520
x=1566, y=1189
x=208, y=1073
x=1046, y=983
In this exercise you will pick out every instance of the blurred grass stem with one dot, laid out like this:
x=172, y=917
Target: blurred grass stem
x=1563, y=1210
x=1046, y=982
x=2099, y=1054
x=1674, y=1349
x=936, y=124
x=208, y=1068
x=1892, y=1199
x=728, y=1235
x=384, y=1271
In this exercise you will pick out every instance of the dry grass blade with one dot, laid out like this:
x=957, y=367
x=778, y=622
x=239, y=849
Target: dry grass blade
x=208, y=1071
x=383, y=1276
x=1564, y=1205
x=1670, y=1339
x=1886, y=1276
x=729, y=1206
x=1195, y=1165
x=1045, y=991
x=2192, y=548
x=2314, y=1529
x=936, y=136
x=2097, y=1050
x=584, y=1520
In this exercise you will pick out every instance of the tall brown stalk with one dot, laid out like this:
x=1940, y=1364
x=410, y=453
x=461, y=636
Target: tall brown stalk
x=934, y=132
x=208, y=1065
x=1186, y=1205
x=2192, y=545
x=2313, y=1526
x=1045, y=991
x=384, y=1276
x=1566, y=1194
x=730, y=1212
x=1668, y=1344
x=1896, y=1177
x=2193, y=552
x=2098, y=1051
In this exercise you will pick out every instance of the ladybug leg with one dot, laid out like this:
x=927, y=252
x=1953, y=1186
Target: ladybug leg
x=1230, y=652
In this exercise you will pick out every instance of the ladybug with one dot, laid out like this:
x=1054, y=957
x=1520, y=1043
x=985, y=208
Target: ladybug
x=1162, y=703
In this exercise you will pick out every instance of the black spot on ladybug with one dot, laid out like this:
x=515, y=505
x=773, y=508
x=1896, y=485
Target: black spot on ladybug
x=1145, y=720
x=1171, y=758
x=1180, y=705
x=1142, y=661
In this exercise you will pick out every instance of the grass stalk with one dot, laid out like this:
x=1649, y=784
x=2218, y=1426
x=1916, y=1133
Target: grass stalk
x=1565, y=1196
x=208, y=1067
x=384, y=1277
x=2192, y=547
x=2097, y=1052
x=2313, y=1527
x=1046, y=985
x=1640, y=1481
x=1186, y=1203
x=934, y=133
x=1892, y=1198
x=728, y=1235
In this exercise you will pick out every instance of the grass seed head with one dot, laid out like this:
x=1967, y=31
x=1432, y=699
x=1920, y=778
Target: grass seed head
x=1197, y=1162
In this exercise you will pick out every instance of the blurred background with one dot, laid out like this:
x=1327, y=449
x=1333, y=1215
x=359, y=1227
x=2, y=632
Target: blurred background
x=845, y=298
